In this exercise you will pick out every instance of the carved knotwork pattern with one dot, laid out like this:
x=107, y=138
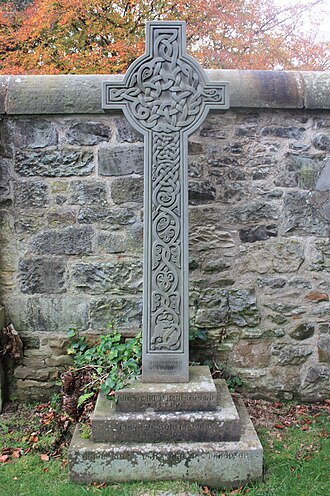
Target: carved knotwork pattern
x=166, y=328
x=166, y=93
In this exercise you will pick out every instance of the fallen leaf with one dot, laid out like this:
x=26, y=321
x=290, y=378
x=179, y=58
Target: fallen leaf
x=44, y=458
x=4, y=458
x=15, y=478
x=16, y=453
x=45, y=469
x=279, y=426
x=305, y=427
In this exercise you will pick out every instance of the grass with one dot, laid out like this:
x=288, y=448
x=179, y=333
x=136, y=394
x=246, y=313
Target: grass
x=295, y=439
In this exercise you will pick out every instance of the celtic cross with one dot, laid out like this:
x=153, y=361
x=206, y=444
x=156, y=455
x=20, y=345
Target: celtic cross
x=165, y=95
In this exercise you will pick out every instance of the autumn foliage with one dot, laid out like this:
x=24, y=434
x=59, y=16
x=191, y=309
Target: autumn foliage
x=97, y=36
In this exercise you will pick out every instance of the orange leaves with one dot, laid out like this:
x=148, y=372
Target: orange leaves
x=98, y=36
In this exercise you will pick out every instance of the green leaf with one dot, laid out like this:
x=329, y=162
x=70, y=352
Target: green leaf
x=84, y=397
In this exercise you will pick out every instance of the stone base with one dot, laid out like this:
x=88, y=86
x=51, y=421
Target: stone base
x=215, y=464
x=199, y=394
x=219, y=424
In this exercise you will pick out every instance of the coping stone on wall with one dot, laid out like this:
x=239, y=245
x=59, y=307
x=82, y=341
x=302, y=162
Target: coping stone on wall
x=81, y=94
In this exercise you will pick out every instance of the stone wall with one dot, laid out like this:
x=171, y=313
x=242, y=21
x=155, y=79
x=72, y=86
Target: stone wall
x=259, y=181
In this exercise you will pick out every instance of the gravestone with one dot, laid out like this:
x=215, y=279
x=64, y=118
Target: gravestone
x=177, y=422
x=165, y=95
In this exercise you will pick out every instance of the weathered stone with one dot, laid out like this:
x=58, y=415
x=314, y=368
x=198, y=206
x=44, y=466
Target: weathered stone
x=104, y=277
x=31, y=194
x=212, y=128
x=208, y=237
x=300, y=170
x=254, y=211
x=200, y=394
x=62, y=217
x=5, y=176
x=315, y=383
x=325, y=211
x=302, y=331
x=32, y=133
x=68, y=241
x=128, y=189
x=291, y=355
x=300, y=282
x=62, y=162
x=87, y=193
x=259, y=233
x=23, y=372
x=120, y=242
x=242, y=307
x=214, y=464
x=201, y=192
x=290, y=132
x=323, y=181
x=125, y=314
x=300, y=216
x=120, y=160
x=217, y=265
x=112, y=426
x=194, y=147
x=125, y=132
x=113, y=217
x=271, y=282
x=29, y=222
x=321, y=141
x=41, y=275
x=87, y=133
x=48, y=313
x=323, y=348
x=252, y=354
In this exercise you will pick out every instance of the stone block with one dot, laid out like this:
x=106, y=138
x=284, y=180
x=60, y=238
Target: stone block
x=32, y=133
x=88, y=193
x=315, y=382
x=124, y=313
x=289, y=132
x=251, y=212
x=125, y=132
x=111, y=426
x=321, y=141
x=242, y=307
x=44, y=313
x=121, y=242
x=24, y=373
x=114, y=217
x=104, y=277
x=291, y=355
x=259, y=233
x=300, y=216
x=302, y=331
x=68, y=241
x=87, y=133
x=199, y=394
x=60, y=217
x=128, y=189
x=31, y=194
x=201, y=192
x=323, y=181
x=120, y=160
x=323, y=348
x=40, y=275
x=215, y=464
x=6, y=166
x=55, y=162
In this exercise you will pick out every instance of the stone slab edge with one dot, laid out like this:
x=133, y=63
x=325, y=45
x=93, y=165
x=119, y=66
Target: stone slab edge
x=81, y=94
x=197, y=394
x=224, y=464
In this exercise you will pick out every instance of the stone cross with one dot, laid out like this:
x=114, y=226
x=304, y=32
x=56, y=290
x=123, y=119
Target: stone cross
x=165, y=95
